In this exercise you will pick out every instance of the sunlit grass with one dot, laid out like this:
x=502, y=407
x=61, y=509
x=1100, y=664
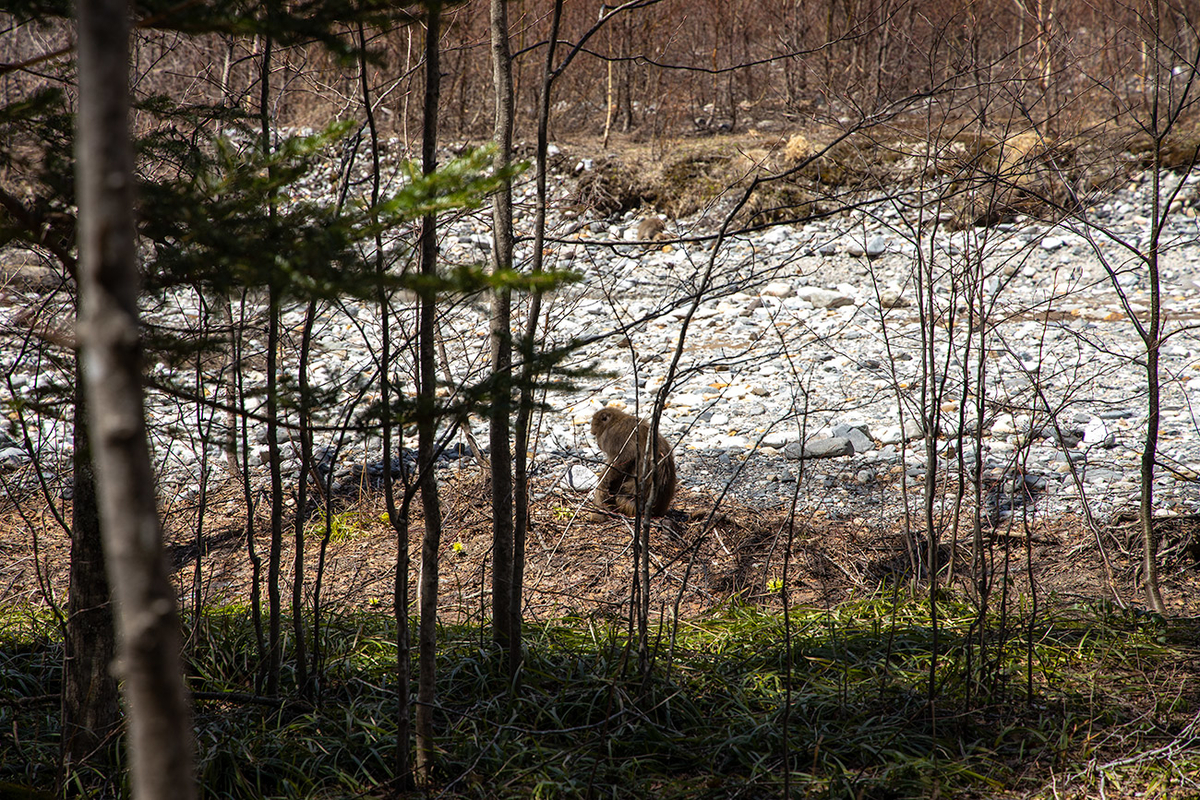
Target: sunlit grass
x=341, y=526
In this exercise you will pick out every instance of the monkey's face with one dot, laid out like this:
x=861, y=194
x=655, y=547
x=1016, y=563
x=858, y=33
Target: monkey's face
x=601, y=420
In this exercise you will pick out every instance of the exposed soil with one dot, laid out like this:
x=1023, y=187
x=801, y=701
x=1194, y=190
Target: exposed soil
x=579, y=566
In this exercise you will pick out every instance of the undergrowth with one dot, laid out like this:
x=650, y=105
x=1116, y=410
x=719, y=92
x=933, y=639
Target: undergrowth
x=1080, y=700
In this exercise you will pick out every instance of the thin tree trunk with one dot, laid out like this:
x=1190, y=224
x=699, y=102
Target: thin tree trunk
x=274, y=638
x=931, y=396
x=89, y=691
x=205, y=428
x=248, y=497
x=274, y=556
x=400, y=602
x=224, y=304
x=160, y=741
x=1152, y=340
x=610, y=104
x=525, y=404
x=1149, y=449
x=1045, y=12
x=398, y=518
x=501, y=336
x=427, y=421
x=306, y=457
x=1161, y=119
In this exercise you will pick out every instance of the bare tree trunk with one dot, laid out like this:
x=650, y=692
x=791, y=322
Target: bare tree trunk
x=274, y=635
x=610, y=104
x=303, y=680
x=400, y=600
x=248, y=497
x=89, y=691
x=1152, y=334
x=525, y=404
x=223, y=301
x=1045, y=14
x=160, y=741
x=501, y=335
x=1150, y=446
x=275, y=554
x=625, y=82
x=398, y=518
x=427, y=421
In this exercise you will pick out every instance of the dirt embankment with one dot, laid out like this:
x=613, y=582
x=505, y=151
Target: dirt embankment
x=970, y=176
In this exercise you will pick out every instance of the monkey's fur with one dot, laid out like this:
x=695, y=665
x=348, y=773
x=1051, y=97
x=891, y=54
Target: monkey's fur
x=614, y=432
x=651, y=228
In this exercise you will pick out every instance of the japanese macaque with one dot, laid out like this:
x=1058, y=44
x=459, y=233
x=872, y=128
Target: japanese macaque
x=614, y=431
x=651, y=228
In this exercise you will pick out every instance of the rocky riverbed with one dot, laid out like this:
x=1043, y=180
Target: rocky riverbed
x=806, y=356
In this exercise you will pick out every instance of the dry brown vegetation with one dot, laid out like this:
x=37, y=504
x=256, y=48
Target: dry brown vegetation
x=577, y=566
x=679, y=67
x=983, y=177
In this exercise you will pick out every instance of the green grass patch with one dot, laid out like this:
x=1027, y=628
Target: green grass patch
x=1079, y=697
x=341, y=526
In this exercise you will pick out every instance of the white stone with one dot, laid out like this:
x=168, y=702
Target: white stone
x=12, y=456
x=891, y=298
x=1095, y=431
x=685, y=400
x=775, y=235
x=892, y=434
x=823, y=298
x=779, y=438
x=581, y=479
x=1003, y=425
x=730, y=442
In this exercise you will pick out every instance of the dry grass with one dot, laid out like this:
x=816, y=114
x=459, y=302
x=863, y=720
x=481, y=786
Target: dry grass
x=578, y=566
x=982, y=176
